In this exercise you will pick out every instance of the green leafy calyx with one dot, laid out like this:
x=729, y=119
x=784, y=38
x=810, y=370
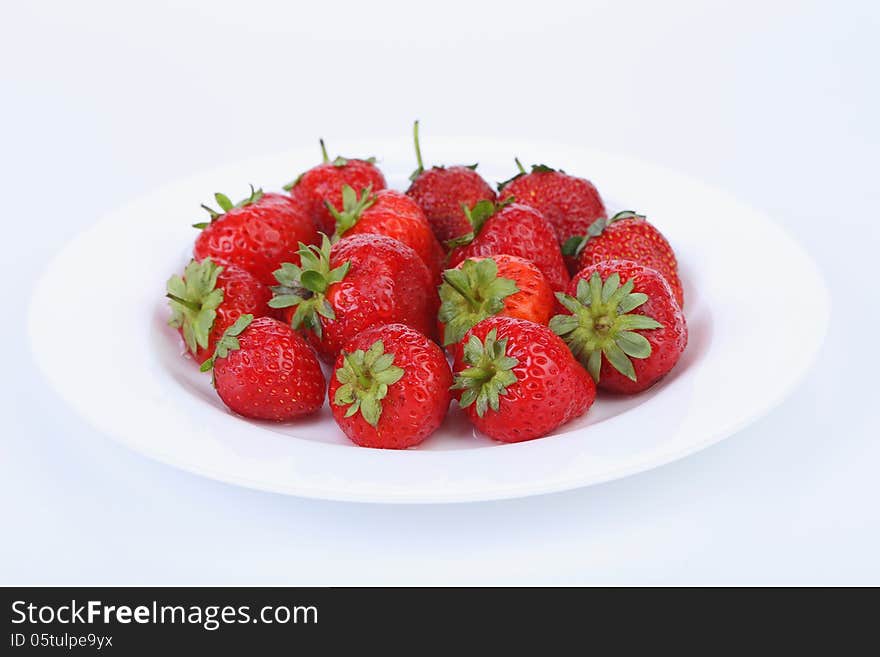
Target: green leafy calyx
x=305, y=286
x=489, y=374
x=229, y=341
x=226, y=205
x=293, y=183
x=469, y=295
x=337, y=161
x=602, y=323
x=536, y=168
x=365, y=377
x=352, y=208
x=477, y=216
x=574, y=245
x=194, y=300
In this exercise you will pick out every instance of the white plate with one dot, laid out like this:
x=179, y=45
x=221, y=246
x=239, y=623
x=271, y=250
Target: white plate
x=757, y=310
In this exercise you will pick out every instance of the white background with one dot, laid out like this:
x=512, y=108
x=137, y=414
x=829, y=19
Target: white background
x=776, y=102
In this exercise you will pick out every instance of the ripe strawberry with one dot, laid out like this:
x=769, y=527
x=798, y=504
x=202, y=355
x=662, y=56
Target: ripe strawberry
x=442, y=191
x=627, y=236
x=502, y=285
x=513, y=229
x=518, y=380
x=208, y=299
x=363, y=280
x=624, y=324
x=393, y=214
x=390, y=387
x=266, y=371
x=570, y=204
x=323, y=183
x=257, y=234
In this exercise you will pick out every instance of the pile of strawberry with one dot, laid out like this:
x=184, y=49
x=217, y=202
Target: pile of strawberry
x=537, y=296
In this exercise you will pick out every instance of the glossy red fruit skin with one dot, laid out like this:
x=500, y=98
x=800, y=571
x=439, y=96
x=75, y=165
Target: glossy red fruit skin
x=518, y=230
x=569, y=203
x=667, y=343
x=387, y=283
x=534, y=301
x=257, y=237
x=324, y=183
x=274, y=375
x=242, y=294
x=635, y=239
x=414, y=406
x=395, y=215
x=551, y=389
x=440, y=191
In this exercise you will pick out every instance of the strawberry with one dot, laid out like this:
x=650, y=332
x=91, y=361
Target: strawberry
x=390, y=387
x=623, y=324
x=518, y=380
x=393, y=214
x=323, y=183
x=570, y=204
x=498, y=285
x=360, y=281
x=513, y=229
x=257, y=234
x=442, y=191
x=266, y=371
x=627, y=236
x=208, y=299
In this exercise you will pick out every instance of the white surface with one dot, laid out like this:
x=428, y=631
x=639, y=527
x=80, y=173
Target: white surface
x=133, y=384
x=776, y=103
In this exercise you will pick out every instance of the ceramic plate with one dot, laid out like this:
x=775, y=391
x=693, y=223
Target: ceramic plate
x=127, y=376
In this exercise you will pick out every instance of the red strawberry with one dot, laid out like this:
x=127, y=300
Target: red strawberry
x=362, y=281
x=627, y=236
x=570, y=204
x=518, y=380
x=512, y=229
x=257, y=234
x=442, y=191
x=393, y=214
x=498, y=285
x=323, y=184
x=266, y=371
x=208, y=299
x=390, y=387
x=624, y=326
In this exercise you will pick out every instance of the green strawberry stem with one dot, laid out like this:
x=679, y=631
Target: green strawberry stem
x=602, y=323
x=462, y=290
x=421, y=167
x=469, y=295
x=192, y=305
x=338, y=161
x=536, y=168
x=489, y=375
x=365, y=377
